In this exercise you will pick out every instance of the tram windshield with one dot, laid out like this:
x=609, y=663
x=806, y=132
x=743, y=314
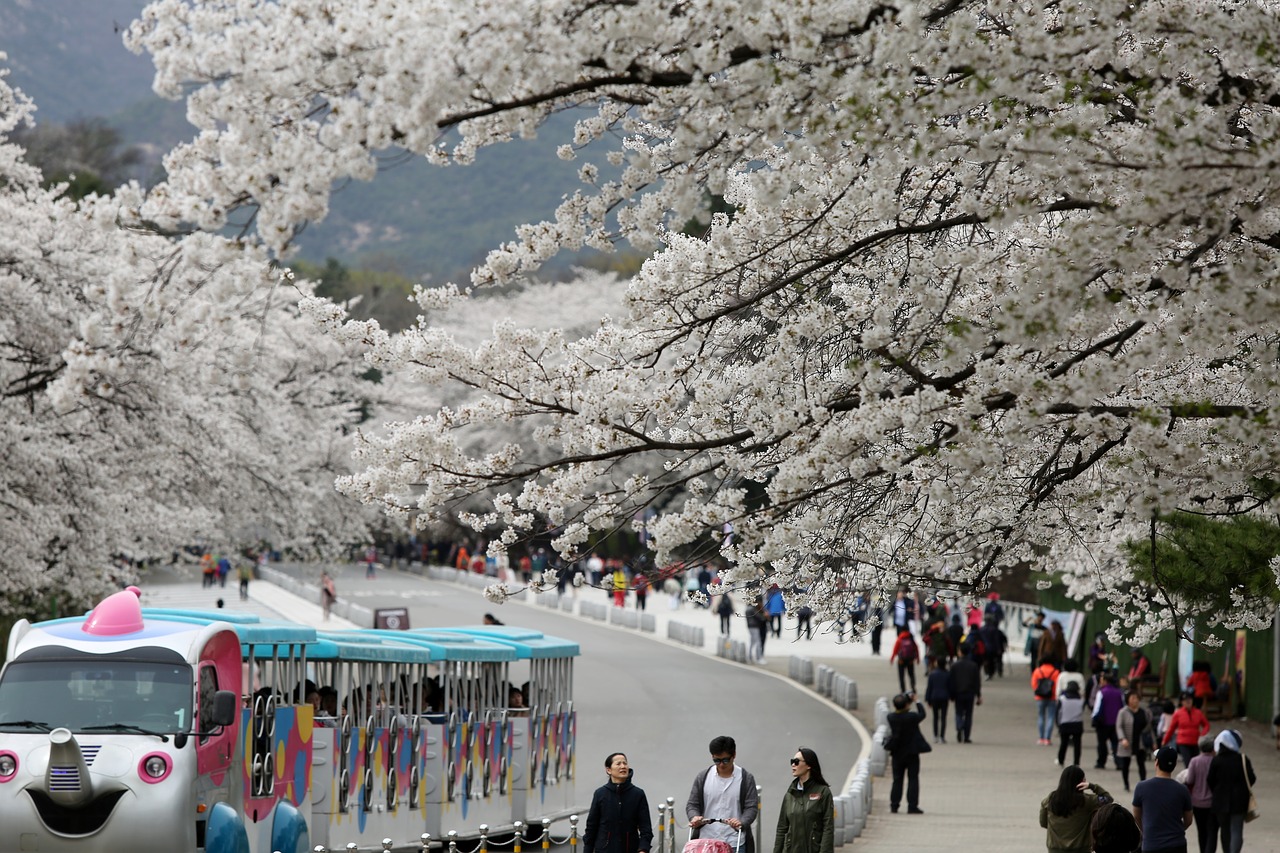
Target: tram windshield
x=96, y=697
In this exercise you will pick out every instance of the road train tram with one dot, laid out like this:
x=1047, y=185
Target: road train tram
x=140, y=730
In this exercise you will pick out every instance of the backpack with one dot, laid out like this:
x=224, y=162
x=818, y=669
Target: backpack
x=1044, y=687
x=907, y=651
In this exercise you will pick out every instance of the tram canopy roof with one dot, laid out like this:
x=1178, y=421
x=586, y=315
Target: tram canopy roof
x=527, y=642
x=445, y=646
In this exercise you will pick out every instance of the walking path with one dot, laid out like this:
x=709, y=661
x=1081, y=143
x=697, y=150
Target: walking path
x=984, y=796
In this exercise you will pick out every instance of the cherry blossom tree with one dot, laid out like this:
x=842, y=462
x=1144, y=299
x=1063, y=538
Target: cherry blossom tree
x=997, y=285
x=153, y=393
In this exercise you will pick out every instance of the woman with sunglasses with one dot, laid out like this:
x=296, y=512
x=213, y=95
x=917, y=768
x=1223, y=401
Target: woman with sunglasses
x=806, y=822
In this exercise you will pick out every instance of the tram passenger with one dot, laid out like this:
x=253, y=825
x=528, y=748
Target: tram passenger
x=618, y=820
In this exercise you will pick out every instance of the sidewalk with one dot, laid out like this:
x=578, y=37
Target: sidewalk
x=984, y=796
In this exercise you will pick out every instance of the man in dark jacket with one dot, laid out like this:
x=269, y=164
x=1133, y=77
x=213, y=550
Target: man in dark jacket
x=618, y=820
x=965, y=686
x=726, y=802
x=908, y=743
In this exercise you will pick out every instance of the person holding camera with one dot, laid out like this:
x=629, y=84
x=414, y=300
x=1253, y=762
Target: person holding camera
x=906, y=744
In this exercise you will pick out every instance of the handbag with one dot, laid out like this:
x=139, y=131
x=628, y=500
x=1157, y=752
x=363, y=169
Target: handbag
x=1252, y=813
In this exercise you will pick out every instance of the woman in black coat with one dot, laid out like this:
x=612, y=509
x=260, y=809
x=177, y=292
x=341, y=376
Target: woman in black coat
x=1230, y=790
x=618, y=820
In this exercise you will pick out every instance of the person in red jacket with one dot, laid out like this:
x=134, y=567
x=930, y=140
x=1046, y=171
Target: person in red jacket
x=1186, y=727
x=906, y=652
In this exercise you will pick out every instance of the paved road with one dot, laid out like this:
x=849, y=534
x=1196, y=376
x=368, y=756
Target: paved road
x=659, y=702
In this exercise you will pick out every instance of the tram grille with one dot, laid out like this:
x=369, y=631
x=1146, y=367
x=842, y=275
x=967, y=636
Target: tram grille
x=64, y=779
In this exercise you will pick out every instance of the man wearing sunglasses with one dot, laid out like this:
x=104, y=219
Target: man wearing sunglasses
x=724, y=802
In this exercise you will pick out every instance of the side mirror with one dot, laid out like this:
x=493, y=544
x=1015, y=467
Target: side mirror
x=225, y=705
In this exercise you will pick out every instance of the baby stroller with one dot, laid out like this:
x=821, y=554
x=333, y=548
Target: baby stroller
x=711, y=845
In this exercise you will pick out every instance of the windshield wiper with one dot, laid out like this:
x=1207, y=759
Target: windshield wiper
x=125, y=727
x=28, y=724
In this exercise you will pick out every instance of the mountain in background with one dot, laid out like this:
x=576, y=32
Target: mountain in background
x=428, y=223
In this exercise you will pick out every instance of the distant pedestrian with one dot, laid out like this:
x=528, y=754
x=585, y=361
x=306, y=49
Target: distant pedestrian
x=1044, y=689
x=724, y=609
x=1162, y=807
x=208, y=570
x=619, y=580
x=757, y=630
x=906, y=652
x=955, y=634
x=1070, y=722
x=641, y=587
x=1231, y=780
x=806, y=818
x=618, y=819
x=804, y=621
x=1186, y=728
x=907, y=744
x=724, y=802
x=371, y=562
x=775, y=606
x=904, y=611
x=224, y=569
x=1067, y=813
x=1106, y=708
x=328, y=594
x=877, y=625
x=965, y=686
x=1133, y=727
x=245, y=572
x=938, y=696
x=1053, y=644
x=1035, y=630
x=1197, y=781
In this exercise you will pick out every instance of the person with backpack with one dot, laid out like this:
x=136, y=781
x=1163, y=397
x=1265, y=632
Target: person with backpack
x=906, y=653
x=1044, y=687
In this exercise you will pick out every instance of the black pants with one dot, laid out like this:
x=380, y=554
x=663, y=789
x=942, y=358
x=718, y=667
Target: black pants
x=908, y=765
x=1070, y=733
x=724, y=624
x=875, y=639
x=802, y=624
x=964, y=718
x=1206, y=828
x=906, y=671
x=1187, y=752
x=1122, y=761
x=939, y=719
x=775, y=624
x=1106, y=742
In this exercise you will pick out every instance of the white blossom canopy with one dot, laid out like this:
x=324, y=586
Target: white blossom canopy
x=998, y=283
x=153, y=393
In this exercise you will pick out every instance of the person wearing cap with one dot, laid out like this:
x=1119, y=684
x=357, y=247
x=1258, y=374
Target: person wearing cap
x=1231, y=779
x=1162, y=807
x=1197, y=781
x=1187, y=726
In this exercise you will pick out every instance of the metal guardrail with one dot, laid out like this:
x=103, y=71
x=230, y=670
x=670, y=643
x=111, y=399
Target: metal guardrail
x=518, y=841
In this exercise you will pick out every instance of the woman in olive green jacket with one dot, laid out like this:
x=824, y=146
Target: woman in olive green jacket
x=806, y=822
x=1066, y=812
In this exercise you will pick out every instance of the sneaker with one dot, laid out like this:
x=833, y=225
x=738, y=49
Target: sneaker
x=915, y=811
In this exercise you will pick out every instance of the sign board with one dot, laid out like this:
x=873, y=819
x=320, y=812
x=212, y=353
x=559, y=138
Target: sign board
x=395, y=618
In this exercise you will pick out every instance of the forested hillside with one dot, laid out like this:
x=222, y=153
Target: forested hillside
x=421, y=222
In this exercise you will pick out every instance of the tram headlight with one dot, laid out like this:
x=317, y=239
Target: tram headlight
x=8, y=766
x=154, y=767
